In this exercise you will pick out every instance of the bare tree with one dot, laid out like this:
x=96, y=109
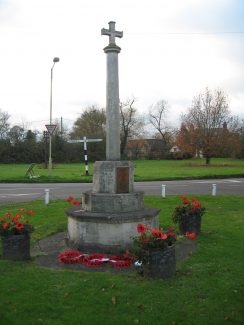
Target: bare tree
x=4, y=125
x=157, y=117
x=131, y=124
x=62, y=129
x=208, y=114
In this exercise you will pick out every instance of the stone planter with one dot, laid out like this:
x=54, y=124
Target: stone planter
x=16, y=247
x=193, y=224
x=161, y=263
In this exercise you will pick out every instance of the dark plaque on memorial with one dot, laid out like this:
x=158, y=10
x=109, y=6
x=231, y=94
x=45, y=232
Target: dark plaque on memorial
x=122, y=180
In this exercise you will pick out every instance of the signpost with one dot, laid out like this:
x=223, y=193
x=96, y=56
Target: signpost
x=51, y=128
x=85, y=141
x=45, y=136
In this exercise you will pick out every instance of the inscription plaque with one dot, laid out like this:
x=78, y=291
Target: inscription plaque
x=122, y=180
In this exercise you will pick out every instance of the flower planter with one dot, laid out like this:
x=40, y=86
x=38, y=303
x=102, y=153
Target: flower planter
x=16, y=247
x=193, y=225
x=160, y=263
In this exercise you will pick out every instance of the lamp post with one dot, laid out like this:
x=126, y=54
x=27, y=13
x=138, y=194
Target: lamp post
x=51, y=103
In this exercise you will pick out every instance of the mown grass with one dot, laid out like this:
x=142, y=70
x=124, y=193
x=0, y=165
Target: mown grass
x=207, y=289
x=145, y=170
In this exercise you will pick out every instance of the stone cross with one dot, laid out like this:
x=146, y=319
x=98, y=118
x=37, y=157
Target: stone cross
x=112, y=95
x=111, y=32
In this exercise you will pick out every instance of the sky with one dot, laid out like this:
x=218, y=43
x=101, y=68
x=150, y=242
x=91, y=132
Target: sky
x=171, y=50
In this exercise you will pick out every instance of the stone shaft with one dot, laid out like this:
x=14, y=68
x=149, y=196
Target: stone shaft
x=112, y=104
x=112, y=100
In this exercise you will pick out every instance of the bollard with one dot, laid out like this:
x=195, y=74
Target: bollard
x=213, y=189
x=46, y=198
x=163, y=190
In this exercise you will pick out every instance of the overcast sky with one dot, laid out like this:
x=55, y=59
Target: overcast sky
x=171, y=50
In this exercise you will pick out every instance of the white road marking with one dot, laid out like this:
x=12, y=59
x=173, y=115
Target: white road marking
x=6, y=195
x=225, y=181
x=31, y=188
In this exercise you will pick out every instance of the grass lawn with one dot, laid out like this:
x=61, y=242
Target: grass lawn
x=145, y=170
x=207, y=289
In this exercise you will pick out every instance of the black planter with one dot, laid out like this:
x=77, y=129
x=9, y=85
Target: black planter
x=192, y=224
x=16, y=247
x=160, y=263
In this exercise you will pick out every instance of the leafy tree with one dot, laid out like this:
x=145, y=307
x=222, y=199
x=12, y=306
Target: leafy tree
x=91, y=124
x=16, y=134
x=207, y=115
x=230, y=142
x=186, y=140
x=131, y=124
x=32, y=150
x=5, y=151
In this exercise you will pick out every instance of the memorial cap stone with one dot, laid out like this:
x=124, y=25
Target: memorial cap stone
x=111, y=32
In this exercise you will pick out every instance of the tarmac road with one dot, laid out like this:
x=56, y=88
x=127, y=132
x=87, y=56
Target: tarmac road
x=10, y=193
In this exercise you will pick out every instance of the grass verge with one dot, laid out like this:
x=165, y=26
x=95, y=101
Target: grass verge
x=145, y=170
x=207, y=288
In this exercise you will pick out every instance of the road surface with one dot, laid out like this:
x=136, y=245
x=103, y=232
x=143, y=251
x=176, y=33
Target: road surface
x=10, y=193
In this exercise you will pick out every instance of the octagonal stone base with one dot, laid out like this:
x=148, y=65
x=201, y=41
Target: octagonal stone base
x=107, y=232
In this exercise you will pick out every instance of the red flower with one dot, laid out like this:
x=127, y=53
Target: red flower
x=19, y=226
x=75, y=203
x=185, y=200
x=171, y=229
x=16, y=217
x=161, y=236
x=7, y=215
x=197, y=204
x=6, y=225
x=171, y=234
x=29, y=212
x=191, y=236
x=21, y=209
x=70, y=198
x=141, y=228
x=155, y=232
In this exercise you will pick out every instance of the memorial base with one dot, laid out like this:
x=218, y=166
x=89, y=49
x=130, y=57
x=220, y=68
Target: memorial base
x=109, y=214
x=106, y=232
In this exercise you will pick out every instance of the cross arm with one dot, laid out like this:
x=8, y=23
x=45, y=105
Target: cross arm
x=111, y=32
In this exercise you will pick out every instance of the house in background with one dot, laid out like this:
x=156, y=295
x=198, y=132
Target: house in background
x=175, y=149
x=146, y=149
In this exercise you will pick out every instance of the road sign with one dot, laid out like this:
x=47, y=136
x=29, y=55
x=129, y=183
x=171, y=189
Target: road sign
x=51, y=128
x=85, y=141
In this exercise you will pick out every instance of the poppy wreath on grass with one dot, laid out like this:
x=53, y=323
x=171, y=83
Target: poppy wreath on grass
x=77, y=257
x=121, y=261
x=71, y=257
x=95, y=260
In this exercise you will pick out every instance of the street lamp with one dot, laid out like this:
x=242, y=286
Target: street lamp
x=50, y=133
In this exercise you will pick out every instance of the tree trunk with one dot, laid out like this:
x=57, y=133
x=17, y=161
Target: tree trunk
x=207, y=160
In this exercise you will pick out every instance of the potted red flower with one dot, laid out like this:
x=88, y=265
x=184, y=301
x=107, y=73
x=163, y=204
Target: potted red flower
x=15, y=232
x=155, y=251
x=189, y=215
